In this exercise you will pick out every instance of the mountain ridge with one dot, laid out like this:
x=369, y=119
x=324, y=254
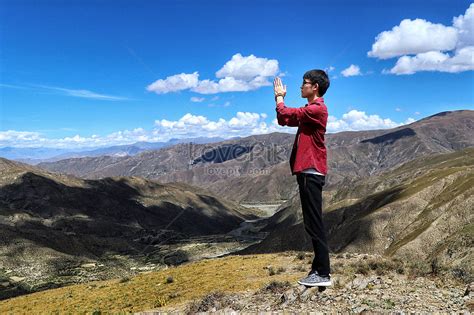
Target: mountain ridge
x=355, y=154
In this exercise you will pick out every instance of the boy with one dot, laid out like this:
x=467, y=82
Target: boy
x=308, y=163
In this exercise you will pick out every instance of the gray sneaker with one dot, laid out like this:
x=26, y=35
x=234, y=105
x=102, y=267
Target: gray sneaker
x=315, y=280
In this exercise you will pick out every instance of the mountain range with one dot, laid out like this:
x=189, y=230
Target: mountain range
x=404, y=192
x=255, y=169
x=37, y=155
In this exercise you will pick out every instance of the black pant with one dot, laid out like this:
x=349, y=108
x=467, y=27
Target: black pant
x=311, y=188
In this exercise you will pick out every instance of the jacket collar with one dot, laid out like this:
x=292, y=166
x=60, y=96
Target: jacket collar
x=318, y=101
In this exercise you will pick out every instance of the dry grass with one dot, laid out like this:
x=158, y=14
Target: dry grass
x=154, y=290
x=199, y=284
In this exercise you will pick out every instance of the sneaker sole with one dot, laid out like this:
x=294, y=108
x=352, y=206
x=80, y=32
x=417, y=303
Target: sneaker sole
x=319, y=284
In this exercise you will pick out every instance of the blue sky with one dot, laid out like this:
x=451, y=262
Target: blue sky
x=94, y=73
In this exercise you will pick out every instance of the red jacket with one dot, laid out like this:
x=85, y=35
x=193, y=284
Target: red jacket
x=309, y=150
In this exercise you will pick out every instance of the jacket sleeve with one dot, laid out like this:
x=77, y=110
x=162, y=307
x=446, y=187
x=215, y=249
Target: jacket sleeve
x=288, y=116
x=285, y=119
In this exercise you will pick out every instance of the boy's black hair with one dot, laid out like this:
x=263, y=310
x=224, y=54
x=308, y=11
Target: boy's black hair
x=320, y=77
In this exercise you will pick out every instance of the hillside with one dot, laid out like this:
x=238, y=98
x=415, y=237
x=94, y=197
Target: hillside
x=394, y=197
x=259, y=283
x=54, y=228
x=421, y=210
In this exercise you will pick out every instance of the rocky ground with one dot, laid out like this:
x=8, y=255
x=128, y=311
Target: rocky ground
x=386, y=286
x=363, y=294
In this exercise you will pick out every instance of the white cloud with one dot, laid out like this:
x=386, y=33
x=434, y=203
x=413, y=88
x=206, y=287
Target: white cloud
x=240, y=74
x=436, y=61
x=70, y=92
x=242, y=124
x=465, y=27
x=189, y=119
x=244, y=119
x=20, y=136
x=197, y=99
x=13, y=138
x=90, y=94
x=352, y=70
x=413, y=37
x=12, y=86
x=174, y=83
x=230, y=84
x=190, y=126
x=206, y=87
x=358, y=120
x=425, y=46
x=247, y=68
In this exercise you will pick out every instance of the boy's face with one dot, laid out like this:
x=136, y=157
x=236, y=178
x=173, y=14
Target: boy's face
x=308, y=89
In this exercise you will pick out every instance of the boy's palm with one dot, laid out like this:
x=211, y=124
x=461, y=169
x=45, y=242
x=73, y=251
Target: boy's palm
x=278, y=87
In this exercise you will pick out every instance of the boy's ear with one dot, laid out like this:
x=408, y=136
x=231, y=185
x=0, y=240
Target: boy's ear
x=316, y=87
